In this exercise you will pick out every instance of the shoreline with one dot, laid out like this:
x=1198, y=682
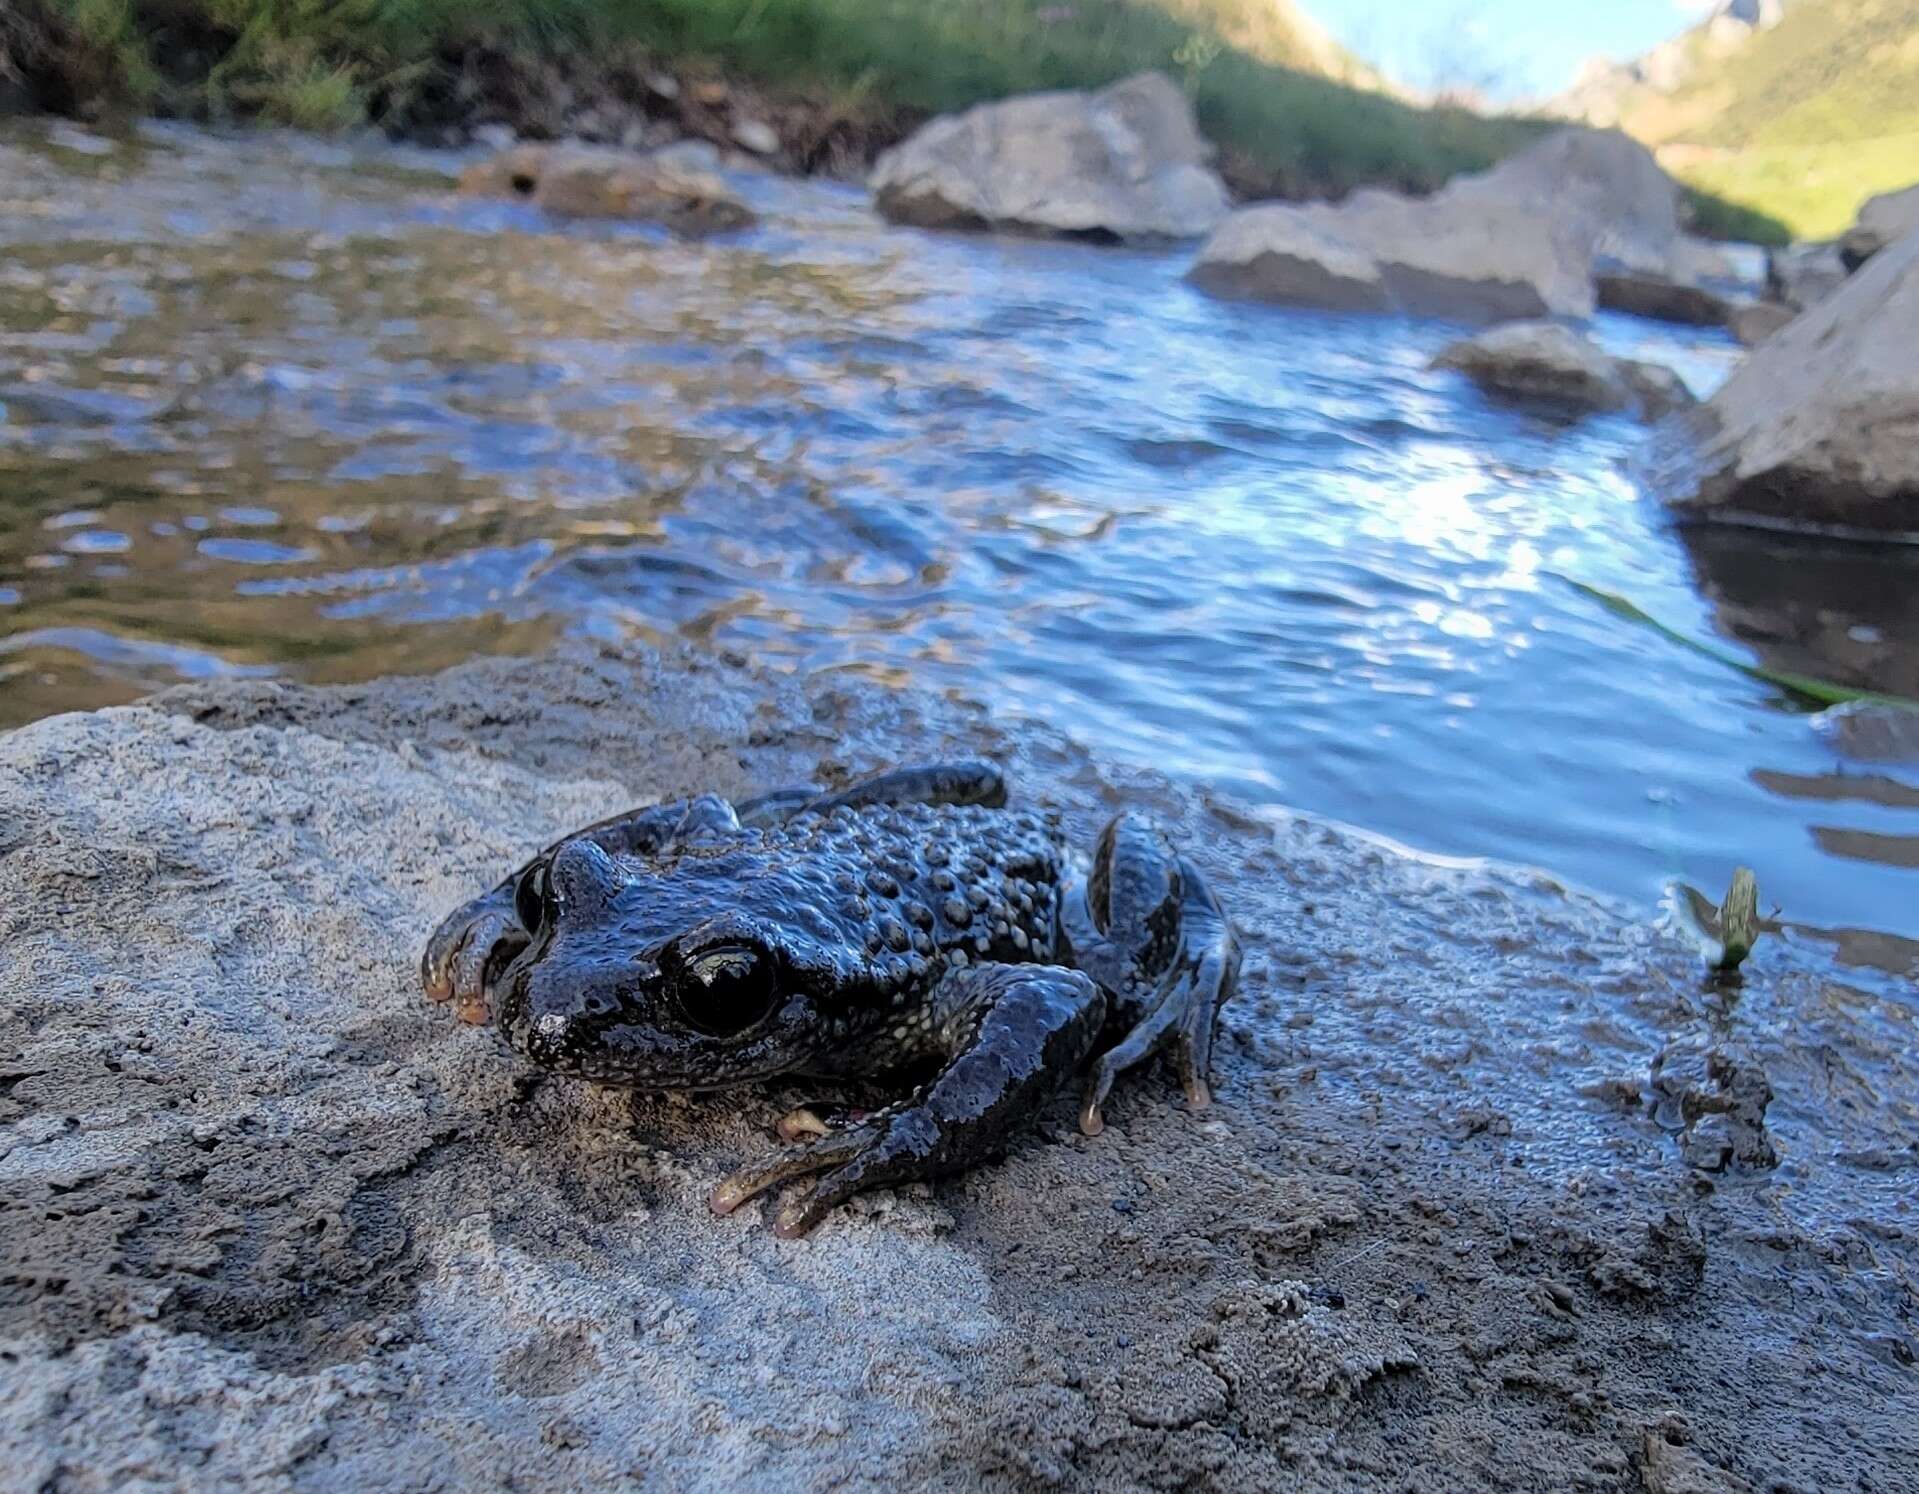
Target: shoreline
x=1448, y=1222
x=836, y=85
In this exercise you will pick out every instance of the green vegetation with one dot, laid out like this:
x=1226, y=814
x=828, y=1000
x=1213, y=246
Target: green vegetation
x=1804, y=121
x=1819, y=692
x=1258, y=71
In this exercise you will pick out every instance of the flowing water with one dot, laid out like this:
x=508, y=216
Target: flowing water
x=281, y=407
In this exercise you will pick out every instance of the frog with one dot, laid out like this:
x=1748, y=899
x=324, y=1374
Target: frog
x=910, y=926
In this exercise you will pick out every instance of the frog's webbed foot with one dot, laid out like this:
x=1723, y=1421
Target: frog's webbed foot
x=469, y=948
x=1032, y=1026
x=1147, y=927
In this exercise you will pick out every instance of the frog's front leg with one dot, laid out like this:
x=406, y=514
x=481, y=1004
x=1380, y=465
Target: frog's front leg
x=481, y=937
x=1145, y=925
x=1029, y=1028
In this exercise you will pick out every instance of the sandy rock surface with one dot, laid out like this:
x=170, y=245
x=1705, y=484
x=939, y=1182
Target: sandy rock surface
x=1820, y=425
x=1127, y=161
x=269, y=1220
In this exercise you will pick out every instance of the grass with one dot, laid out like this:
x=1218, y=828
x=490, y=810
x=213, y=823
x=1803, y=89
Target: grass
x=1256, y=69
x=1803, y=122
x=1814, y=190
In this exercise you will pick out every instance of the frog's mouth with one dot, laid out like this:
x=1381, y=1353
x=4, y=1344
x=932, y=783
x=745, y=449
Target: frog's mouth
x=608, y=1045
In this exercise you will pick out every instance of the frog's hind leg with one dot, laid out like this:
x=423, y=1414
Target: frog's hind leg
x=1020, y=1030
x=1147, y=927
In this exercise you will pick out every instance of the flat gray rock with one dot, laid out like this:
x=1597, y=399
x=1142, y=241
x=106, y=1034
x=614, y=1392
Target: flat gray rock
x=268, y=1220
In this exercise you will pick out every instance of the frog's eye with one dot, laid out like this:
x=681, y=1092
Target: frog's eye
x=533, y=897
x=728, y=991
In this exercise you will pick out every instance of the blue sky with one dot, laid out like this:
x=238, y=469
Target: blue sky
x=1509, y=48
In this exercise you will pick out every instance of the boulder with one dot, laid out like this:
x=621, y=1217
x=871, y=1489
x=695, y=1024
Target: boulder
x=1127, y=162
x=1651, y=294
x=1884, y=220
x=1821, y=424
x=1545, y=362
x=576, y=181
x=757, y=136
x=1378, y=251
x=1518, y=241
x=1802, y=275
x=1755, y=321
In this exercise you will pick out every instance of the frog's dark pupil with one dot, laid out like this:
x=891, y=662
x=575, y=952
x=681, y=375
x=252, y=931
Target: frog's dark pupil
x=727, y=991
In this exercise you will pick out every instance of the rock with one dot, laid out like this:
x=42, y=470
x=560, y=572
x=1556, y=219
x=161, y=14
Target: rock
x=1803, y=275
x=1755, y=321
x=1518, y=241
x=1694, y=1082
x=1867, y=731
x=1650, y=294
x=1667, y=1467
x=496, y=137
x=691, y=156
x=1552, y=364
x=1127, y=162
x=757, y=136
x=1884, y=220
x=71, y=137
x=663, y=86
x=584, y=182
x=1658, y=389
x=1707, y=1143
x=1820, y=424
x=52, y=404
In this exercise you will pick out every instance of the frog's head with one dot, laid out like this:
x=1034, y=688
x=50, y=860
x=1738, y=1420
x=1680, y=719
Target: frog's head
x=722, y=966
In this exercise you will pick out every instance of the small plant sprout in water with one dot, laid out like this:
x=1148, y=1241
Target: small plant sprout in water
x=1727, y=933
x=1739, y=919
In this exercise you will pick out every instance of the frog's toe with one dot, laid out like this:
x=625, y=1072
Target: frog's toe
x=830, y=1151
x=810, y=1122
x=1181, y=1012
x=465, y=952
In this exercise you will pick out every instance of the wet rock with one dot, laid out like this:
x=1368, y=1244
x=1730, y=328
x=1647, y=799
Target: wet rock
x=585, y=182
x=1649, y=293
x=695, y=157
x=1872, y=733
x=757, y=136
x=1883, y=221
x=71, y=137
x=1548, y=363
x=52, y=404
x=1694, y=1081
x=1518, y=241
x=1755, y=321
x=1657, y=388
x=1667, y=1265
x=1818, y=425
x=1803, y=275
x=1668, y=1467
x=1284, y=1360
x=1127, y=162
x=1708, y=1144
